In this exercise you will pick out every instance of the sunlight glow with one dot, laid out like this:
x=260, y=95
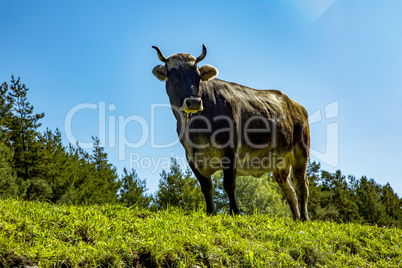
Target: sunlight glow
x=308, y=11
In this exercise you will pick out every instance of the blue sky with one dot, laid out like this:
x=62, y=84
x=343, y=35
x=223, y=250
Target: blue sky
x=342, y=60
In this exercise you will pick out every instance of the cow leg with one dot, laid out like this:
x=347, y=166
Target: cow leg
x=300, y=179
x=206, y=188
x=229, y=183
x=283, y=179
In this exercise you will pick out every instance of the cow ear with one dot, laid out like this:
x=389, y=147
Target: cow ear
x=208, y=72
x=160, y=72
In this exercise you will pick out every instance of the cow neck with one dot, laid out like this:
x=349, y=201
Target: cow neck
x=187, y=117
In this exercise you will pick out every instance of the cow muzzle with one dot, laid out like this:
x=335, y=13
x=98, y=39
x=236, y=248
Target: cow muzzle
x=192, y=105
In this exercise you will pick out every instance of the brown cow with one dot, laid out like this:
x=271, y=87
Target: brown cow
x=237, y=129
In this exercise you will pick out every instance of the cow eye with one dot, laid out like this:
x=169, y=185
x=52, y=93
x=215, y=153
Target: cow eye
x=174, y=80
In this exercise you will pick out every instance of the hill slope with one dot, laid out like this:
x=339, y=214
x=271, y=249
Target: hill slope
x=34, y=233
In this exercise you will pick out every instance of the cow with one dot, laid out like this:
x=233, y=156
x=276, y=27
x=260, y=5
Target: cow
x=237, y=129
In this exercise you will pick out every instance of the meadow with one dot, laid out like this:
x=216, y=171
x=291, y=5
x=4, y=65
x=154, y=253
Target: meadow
x=46, y=235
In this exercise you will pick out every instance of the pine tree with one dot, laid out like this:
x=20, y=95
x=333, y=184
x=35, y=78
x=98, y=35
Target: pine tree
x=5, y=111
x=8, y=186
x=170, y=187
x=55, y=167
x=78, y=171
x=192, y=194
x=106, y=183
x=178, y=189
x=89, y=178
x=393, y=206
x=356, y=200
x=94, y=180
x=133, y=190
x=342, y=196
x=22, y=127
x=316, y=196
x=368, y=195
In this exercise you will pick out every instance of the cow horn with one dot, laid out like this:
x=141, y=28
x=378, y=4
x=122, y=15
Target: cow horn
x=160, y=55
x=203, y=54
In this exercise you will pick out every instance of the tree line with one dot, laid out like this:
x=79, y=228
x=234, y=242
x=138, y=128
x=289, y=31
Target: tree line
x=36, y=165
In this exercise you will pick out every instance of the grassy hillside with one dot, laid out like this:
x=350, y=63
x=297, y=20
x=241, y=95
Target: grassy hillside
x=33, y=233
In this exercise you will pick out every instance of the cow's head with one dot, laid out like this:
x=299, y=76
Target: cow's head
x=183, y=78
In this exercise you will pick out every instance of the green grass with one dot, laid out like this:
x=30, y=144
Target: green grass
x=35, y=233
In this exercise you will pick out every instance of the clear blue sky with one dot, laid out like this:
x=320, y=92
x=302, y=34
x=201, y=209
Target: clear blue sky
x=342, y=60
